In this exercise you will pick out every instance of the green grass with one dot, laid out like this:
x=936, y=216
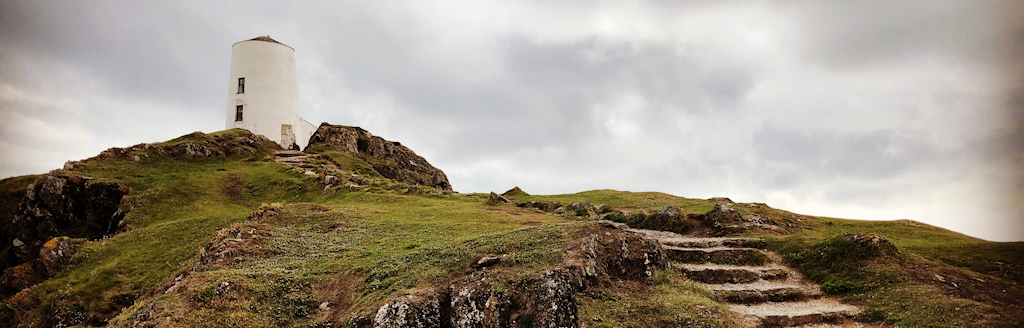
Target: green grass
x=879, y=277
x=651, y=201
x=672, y=301
x=347, y=162
x=376, y=242
x=178, y=207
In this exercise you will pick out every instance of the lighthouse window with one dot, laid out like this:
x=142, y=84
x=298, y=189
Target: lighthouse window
x=238, y=113
x=241, y=85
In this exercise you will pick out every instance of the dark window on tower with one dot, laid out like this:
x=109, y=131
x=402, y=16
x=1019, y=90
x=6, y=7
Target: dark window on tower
x=238, y=113
x=241, y=85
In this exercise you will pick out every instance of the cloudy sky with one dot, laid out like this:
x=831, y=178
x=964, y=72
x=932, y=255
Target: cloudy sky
x=873, y=110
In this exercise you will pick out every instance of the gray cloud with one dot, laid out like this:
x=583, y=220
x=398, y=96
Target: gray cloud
x=871, y=110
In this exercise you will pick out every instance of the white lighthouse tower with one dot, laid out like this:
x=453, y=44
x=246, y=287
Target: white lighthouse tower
x=263, y=92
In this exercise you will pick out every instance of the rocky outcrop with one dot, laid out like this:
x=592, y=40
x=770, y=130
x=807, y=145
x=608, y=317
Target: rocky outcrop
x=667, y=218
x=196, y=145
x=61, y=204
x=489, y=297
x=727, y=220
x=65, y=204
x=390, y=159
x=514, y=192
x=543, y=206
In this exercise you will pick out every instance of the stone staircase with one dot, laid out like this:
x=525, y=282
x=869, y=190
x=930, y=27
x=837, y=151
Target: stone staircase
x=293, y=158
x=328, y=173
x=758, y=288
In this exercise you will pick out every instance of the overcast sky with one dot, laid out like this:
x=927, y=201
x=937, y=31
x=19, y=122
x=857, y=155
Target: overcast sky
x=874, y=110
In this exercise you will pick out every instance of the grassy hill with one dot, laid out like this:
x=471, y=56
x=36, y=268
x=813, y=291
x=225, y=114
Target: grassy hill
x=228, y=238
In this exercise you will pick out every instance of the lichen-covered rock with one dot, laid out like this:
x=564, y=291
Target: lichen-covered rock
x=390, y=159
x=19, y=277
x=56, y=252
x=409, y=311
x=475, y=304
x=614, y=253
x=555, y=301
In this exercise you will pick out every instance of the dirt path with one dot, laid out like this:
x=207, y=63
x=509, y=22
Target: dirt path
x=755, y=283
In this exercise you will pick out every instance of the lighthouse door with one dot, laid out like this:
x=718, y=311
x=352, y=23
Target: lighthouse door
x=288, y=137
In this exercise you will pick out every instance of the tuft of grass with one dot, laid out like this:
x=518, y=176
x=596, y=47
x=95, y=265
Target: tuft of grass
x=672, y=301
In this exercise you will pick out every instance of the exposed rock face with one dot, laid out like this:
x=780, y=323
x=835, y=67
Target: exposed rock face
x=544, y=299
x=555, y=301
x=60, y=204
x=390, y=159
x=475, y=304
x=408, y=311
x=613, y=253
x=727, y=220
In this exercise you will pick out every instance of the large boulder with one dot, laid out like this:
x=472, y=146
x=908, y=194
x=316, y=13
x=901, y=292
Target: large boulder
x=390, y=159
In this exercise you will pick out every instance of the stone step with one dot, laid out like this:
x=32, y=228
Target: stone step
x=784, y=314
x=673, y=239
x=718, y=255
x=845, y=324
x=288, y=153
x=720, y=274
x=710, y=242
x=290, y=161
x=783, y=294
x=296, y=159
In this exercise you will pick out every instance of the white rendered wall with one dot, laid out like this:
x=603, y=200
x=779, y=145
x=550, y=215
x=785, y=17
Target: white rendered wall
x=271, y=96
x=303, y=131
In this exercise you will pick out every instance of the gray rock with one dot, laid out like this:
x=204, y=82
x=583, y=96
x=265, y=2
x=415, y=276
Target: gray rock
x=390, y=159
x=331, y=180
x=486, y=261
x=555, y=301
x=408, y=311
x=475, y=305
x=56, y=252
x=495, y=198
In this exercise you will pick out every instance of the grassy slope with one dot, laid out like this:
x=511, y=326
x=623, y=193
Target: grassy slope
x=382, y=244
x=902, y=288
